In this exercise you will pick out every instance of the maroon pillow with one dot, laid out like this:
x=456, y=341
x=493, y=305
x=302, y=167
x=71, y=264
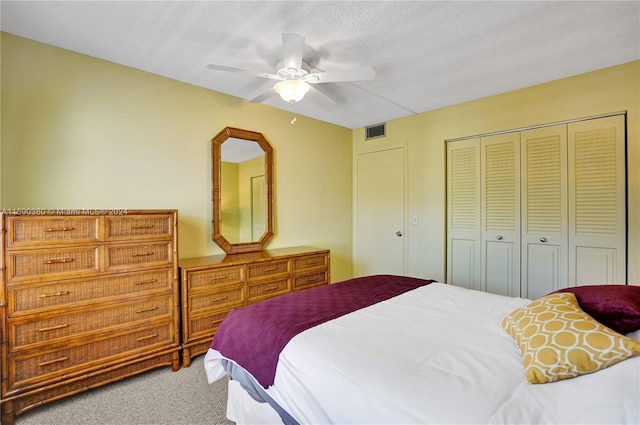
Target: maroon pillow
x=615, y=306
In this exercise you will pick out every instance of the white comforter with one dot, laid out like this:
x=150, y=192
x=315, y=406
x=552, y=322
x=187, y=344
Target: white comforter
x=435, y=355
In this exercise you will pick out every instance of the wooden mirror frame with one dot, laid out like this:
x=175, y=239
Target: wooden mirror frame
x=216, y=148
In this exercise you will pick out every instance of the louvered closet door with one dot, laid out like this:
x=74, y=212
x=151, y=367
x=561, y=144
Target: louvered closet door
x=597, y=204
x=463, y=213
x=500, y=214
x=544, y=210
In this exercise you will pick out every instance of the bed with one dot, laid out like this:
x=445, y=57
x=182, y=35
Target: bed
x=390, y=349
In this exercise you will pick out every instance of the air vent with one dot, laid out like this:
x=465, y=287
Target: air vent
x=375, y=131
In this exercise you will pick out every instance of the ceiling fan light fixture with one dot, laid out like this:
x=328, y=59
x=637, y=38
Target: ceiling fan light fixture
x=292, y=91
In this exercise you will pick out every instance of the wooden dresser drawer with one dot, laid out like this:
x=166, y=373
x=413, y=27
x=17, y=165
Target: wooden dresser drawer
x=59, y=389
x=267, y=269
x=206, y=278
x=29, y=333
x=47, y=365
x=309, y=262
x=309, y=280
x=225, y=297
x=26, y=299
x=25, y=231
x=120, y=257
x=206, y=325
x=52, y=263
x=139, y=226
x=271, y=288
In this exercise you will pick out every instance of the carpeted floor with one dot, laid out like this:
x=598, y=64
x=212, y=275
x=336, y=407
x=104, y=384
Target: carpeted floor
x=158, y=397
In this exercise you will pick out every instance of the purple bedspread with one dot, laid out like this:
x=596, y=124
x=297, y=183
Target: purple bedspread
x=253, y=336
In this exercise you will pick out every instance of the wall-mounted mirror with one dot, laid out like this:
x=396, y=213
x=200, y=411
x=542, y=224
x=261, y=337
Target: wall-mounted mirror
x=242, y=190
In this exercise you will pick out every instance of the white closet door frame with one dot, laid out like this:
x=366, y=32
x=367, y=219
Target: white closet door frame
x=558, y=247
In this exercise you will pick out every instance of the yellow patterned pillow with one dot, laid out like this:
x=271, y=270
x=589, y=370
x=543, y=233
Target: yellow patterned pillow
x=558, y=340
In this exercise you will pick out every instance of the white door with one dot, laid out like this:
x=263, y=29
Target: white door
x=380, y=198
x=544, y=210
x=597, y=204
x=500, y=214
x=463, y=213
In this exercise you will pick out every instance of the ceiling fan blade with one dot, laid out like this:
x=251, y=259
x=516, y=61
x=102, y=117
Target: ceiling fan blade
x=292, y=50
x=321, y=96
x=357, y=74
x=263, y=96
x=243, y=71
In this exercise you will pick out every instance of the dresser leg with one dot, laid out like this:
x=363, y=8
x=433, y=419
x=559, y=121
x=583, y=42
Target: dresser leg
x=7, y=413
x=175, y=363
x=186, y=357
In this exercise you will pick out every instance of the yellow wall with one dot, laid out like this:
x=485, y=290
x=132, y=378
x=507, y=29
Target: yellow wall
x=230, y=203
x=246, y=172
x=609, y=90
x=79, y=132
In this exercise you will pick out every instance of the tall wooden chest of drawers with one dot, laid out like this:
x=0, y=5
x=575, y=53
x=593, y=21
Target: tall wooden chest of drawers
x=88, y=297
x=212, y=286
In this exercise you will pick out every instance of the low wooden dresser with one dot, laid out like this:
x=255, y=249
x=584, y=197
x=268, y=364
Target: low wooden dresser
x=88, y=297
x=212, y=286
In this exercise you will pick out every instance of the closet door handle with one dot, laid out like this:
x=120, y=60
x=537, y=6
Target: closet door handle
x=499, y=237
x=543, y=239
x=399, y=233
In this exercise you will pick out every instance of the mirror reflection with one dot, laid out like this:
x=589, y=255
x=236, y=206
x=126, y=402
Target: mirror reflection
x=242, y=190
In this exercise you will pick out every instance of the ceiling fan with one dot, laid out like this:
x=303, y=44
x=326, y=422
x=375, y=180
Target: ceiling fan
x=294, y=80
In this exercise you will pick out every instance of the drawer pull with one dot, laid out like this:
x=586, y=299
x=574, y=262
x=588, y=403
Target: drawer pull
x=144, y=310
x=215, y=300
x=142, y=338
x=312, y=280
x=59, y=260
x=141, y=254
x=271, y=288
x=53, y=294
x=144, y=282
x=53, y=328
x=216, y=279
x=58, y=229
x=145, y=226
x=48, y=362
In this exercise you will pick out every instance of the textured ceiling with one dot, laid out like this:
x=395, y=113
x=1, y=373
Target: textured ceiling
x=426, y=54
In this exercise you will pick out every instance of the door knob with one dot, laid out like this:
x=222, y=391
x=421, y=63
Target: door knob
x=399, y=233
x=499, y=237
x=543, y=239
